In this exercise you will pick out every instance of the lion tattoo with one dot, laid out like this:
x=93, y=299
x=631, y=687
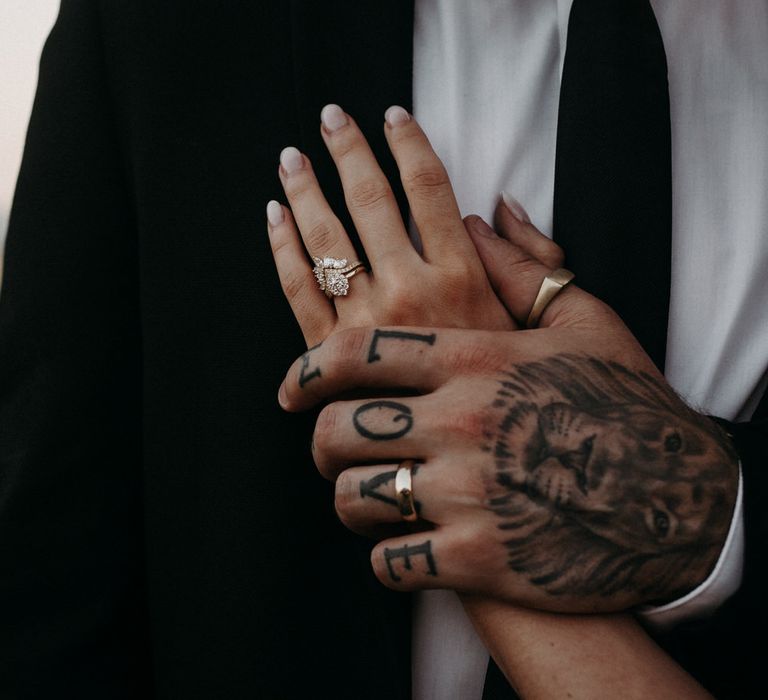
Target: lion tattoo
x=588, y=453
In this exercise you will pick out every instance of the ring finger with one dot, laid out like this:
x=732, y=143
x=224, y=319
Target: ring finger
x=320, y=228
x=367, y=496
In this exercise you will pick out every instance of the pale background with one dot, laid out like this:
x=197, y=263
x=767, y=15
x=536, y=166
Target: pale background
x=24, y=25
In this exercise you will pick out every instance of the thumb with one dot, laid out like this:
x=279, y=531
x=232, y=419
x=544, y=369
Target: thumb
x=513, y=223
x=516, y=276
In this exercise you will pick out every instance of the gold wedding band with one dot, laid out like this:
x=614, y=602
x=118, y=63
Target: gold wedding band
x=333, y=275
x=404, y=490
x=551, y=286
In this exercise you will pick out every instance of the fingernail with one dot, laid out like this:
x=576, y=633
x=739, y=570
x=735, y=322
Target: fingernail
x=274, y=213
x=282, y=395
x=291, y=159
x=479, y=226
x=395, y=115
x=515, y=208
x=333, y=117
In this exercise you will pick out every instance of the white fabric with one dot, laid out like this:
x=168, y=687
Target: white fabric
x=719, y=585
x=486, y=86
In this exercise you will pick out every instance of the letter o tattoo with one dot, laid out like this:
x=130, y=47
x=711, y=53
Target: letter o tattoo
x=400, y=414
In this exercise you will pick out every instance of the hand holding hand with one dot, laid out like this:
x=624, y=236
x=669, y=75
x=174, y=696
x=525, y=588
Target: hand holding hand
x=556, y=467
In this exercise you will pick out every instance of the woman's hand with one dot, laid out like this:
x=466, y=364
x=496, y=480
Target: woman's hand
x=444, y=286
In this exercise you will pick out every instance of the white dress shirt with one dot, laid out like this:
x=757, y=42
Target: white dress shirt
x=486, y=90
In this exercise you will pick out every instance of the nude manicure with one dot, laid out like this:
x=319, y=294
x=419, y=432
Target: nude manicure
x=515, y=208
x=396, y=115
x=333, y=117
x=274, y=213
x=291, y=159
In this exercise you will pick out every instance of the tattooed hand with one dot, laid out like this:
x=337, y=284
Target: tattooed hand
x=556, y=467
x=554, y=478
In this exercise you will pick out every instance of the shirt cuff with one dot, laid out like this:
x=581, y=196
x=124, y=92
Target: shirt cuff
x=722, y=583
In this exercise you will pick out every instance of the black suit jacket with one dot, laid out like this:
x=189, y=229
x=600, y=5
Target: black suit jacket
x=163, y=532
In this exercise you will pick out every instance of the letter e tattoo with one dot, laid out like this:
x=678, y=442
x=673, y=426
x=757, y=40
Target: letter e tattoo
x=405, y=553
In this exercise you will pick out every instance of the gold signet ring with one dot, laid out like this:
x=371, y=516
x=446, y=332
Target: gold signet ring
x=552, y=285
x=404, y=490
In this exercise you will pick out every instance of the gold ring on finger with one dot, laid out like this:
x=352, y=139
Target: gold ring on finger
x=551, y=286
x=333, y=275
x=404, y=490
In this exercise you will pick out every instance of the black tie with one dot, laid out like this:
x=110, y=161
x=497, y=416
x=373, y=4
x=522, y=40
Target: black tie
x=613, y=175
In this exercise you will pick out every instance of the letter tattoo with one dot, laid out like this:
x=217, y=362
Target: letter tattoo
x=393, y=411
x=401, y=335
x=405, y=553
x=304, y=375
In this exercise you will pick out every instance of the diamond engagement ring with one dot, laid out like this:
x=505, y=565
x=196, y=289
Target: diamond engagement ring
x=333, y=275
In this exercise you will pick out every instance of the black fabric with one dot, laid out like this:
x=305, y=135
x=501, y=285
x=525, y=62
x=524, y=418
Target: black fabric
x=163, y=532
x=496, y=686
x=613, y=172
x=727, y=651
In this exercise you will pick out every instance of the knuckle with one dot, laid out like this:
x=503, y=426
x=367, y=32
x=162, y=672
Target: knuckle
x=463, y=269
x=460, y=283
x=428, y=180
x=298, y=186
x=346, y=143
x=350, y=345
x=523, y=266
x=368, y=194
x=472, y=551
x=555, y=255
x=475, y=357
x=468, y=425
x=321, y=236
x=580, y=307
x=404, y=311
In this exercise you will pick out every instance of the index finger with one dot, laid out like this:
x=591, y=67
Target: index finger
x=356, y=357
x=418, y=360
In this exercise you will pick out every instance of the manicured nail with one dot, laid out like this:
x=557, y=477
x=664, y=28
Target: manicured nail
x=282, y=396
x=395, y=116
x=274, y=213
x=333, y=117
x=515, y=208
x=291, y=159
x=479, y=226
